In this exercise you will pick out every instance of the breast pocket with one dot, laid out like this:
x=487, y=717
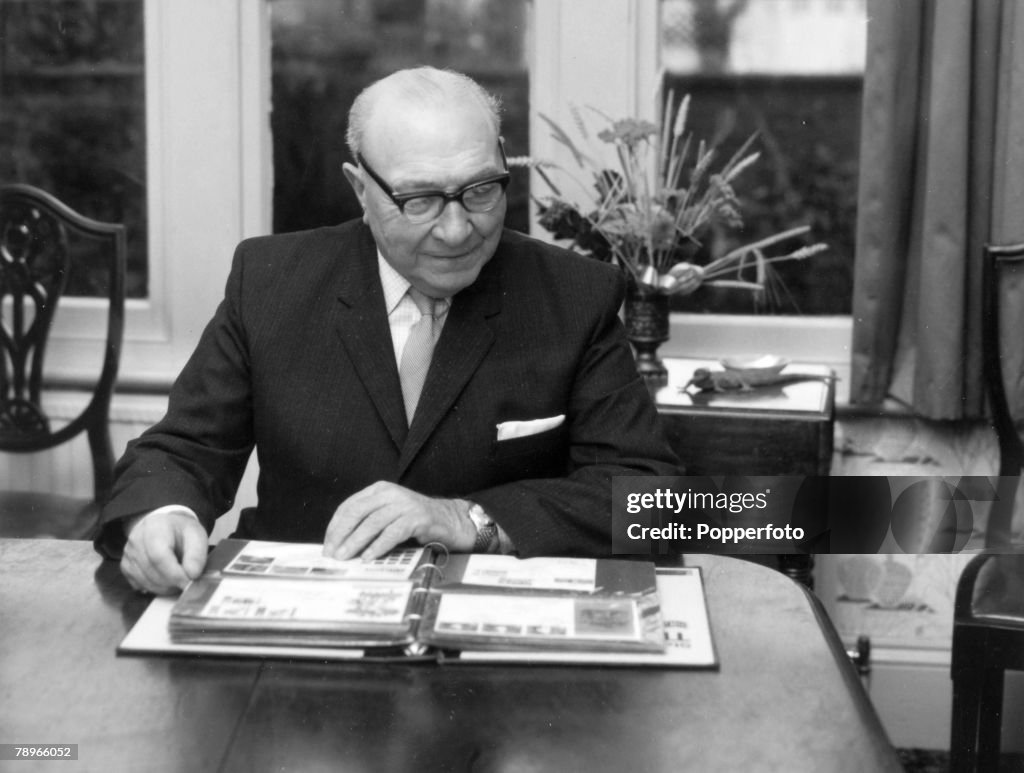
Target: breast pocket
x=542, y=455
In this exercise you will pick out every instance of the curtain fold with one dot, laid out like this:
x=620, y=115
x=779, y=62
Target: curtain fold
x=1008, y=195
x=940, y=154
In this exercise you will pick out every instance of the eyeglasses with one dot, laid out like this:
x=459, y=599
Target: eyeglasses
x=424, y=206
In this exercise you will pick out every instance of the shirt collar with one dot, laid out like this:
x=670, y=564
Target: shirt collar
x=394, y=284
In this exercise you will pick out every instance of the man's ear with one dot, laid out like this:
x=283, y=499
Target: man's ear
x=355, y=179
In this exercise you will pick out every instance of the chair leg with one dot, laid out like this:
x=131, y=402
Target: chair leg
x=102, y=461
x=963, y=737
x=990, y=720
x=976, y=721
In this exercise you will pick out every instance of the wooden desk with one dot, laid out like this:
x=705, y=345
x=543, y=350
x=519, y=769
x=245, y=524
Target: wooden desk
x=786, y=697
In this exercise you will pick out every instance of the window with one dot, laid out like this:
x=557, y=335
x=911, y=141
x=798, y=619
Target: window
x=608, y=53
x=72, y=116
x=326, y=51
x=210, y=159
x=205, y=162
x=792, y=72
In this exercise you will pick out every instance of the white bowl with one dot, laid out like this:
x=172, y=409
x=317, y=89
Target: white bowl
x=766, y=364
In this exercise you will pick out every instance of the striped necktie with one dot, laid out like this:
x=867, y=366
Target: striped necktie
x=419, y=348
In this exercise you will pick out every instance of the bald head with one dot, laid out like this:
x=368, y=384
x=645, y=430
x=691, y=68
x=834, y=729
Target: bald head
x=417, y=90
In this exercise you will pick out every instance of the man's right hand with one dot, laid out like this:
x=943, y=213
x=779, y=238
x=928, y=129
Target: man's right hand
x=166, y=549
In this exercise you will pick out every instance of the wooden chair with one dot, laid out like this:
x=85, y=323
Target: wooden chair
x=988, y=624
x=40, y=238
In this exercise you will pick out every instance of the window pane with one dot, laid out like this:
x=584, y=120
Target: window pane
x=791, y=71
x=326, y=51
x=72, y=116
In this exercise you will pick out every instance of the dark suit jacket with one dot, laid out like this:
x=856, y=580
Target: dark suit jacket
x=298, y=361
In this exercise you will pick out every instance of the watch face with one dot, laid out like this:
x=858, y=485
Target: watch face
x=480, y=519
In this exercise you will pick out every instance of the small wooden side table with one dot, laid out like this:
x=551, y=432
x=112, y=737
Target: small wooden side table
x=772, y=430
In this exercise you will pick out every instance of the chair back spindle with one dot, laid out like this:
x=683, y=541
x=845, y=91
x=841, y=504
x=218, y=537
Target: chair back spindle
x=42, y=243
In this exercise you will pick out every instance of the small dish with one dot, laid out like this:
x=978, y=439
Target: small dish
x=765, y=364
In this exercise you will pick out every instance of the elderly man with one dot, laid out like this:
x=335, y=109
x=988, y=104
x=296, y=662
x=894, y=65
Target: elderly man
x=421, y=375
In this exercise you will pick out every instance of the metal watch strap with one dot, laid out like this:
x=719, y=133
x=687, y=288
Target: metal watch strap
x=486, y=529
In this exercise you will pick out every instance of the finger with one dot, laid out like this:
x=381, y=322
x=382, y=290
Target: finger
x=353, y=512
x=394, y=534
x=194, y=544
x=344, y=520
x=367, y=531
x=160, y=562
x=136, y=568
x=347, y=518
x=131, y=574
x=142, y=580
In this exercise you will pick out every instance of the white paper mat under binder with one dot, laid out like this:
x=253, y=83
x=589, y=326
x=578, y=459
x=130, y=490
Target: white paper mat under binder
x=688, y=639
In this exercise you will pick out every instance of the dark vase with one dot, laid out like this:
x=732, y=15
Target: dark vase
x=646, y=320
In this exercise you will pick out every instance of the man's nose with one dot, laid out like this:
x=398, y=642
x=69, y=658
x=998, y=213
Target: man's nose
x=452, y=225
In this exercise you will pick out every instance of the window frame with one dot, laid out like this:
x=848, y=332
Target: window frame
x=208, y=173
x=569, y=35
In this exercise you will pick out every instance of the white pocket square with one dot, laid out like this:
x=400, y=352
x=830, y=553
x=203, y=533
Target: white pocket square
x=508, y=430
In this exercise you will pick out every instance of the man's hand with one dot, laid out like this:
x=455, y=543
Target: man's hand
x=373, y=521
x=166, y=549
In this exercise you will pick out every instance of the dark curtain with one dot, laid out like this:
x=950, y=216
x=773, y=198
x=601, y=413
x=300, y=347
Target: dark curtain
x=942, y=172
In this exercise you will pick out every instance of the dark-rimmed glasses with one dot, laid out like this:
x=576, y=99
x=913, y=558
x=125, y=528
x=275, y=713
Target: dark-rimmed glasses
x=424, y=206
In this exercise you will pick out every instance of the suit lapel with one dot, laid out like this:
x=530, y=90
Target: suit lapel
x=465, y=340
x=363, y=329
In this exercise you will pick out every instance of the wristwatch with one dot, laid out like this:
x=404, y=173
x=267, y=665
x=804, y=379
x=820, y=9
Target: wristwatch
x=486, y=529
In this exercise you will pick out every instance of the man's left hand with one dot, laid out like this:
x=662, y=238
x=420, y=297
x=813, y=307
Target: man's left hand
x=373, y=521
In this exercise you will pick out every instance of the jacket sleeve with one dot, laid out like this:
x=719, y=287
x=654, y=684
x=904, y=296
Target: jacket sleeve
x=196, y=455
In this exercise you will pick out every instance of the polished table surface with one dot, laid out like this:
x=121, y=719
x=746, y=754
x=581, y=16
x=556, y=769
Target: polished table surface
x=785, y=697
x=786, y=429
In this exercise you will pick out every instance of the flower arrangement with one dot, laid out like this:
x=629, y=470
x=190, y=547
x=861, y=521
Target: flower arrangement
x=659, y=202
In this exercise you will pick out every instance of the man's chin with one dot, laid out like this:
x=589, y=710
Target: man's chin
x=446, y=279
x=448, y=285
